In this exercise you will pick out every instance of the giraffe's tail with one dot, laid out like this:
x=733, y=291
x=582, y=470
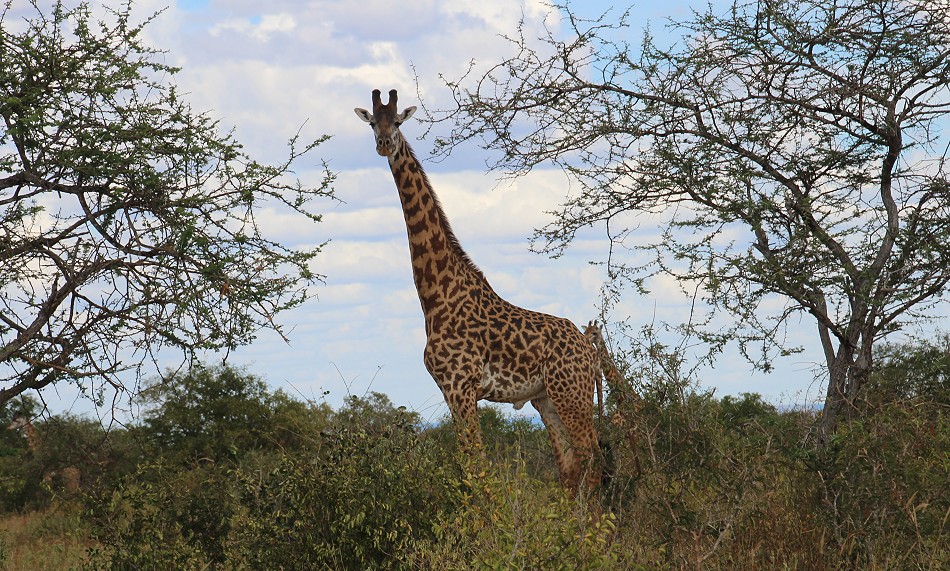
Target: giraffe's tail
x=594, y=335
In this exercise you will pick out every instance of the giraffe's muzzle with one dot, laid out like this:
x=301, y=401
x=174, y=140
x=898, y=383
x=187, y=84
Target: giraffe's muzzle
x=385, y=145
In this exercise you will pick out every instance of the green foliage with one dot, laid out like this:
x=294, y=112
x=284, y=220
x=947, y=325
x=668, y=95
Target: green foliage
x=372, y=491
x=24, y=405
x=374, y=414
x=162, y=519
x=504, y=436
x=21, y=483
x=886, y=487
x=738, y=413
x=355, y=494
x=886, y=475
x=20, y=472
x=710, y=476
x=509, y=520
x=917, y=371
x=734, y=483
x=31, y=476
x=722, y=484
x=220, y=414
x=707, y=483
x=34, y=478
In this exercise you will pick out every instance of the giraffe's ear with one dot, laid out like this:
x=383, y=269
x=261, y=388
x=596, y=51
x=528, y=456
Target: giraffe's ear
x=407, y=113
x=364, y=115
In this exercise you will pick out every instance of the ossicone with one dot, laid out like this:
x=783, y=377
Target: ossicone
x=378, y=102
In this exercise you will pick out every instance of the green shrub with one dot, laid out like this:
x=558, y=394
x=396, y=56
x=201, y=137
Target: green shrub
x=505, y=436
x=21, y=482
x=887, y=486
x=917, y=371
x=221, y=414
x=21, y=470
x=373, y=490
x=709, y=483
x=509, y=520
x=885, y=475
x=163, y=518
x=358, y=495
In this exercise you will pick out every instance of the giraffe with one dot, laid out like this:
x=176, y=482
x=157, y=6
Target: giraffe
x=479, y=346
x=68, y=476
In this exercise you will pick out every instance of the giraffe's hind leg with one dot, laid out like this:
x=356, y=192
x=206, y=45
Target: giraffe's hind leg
x=565, y=457
x=576, y=415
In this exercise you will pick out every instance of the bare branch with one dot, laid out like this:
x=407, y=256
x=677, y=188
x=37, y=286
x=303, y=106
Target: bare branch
x=786, y=147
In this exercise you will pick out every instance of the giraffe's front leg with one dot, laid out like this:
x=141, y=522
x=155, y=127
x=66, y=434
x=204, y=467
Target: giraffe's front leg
x=458, y=380
x=459, y=394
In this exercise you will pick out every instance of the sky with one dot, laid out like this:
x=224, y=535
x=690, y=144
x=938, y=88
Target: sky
x=269, y=69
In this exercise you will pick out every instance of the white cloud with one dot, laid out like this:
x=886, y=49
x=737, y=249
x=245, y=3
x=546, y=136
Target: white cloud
x=354, y=261
x=259, y=28
x=497, y=16
x=368, y=222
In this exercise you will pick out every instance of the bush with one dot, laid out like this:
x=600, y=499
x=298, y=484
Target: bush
x=918, y=371
x=363, y=503
x=887, y=486
x=21, y=471
x=885, y=474
x=221, y=414
x=508, y=520
x=505, y=436
x=161, y=518
x=358, y=495
x=709, y=483
x=735, y=483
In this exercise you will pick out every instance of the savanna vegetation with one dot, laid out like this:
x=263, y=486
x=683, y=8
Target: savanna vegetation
x=128, y=229
x=221, y=472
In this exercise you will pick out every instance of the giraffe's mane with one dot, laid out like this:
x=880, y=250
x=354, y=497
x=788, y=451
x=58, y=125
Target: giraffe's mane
x=450, y=236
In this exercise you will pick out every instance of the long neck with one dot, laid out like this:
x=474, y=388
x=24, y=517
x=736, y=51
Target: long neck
x=438, y=260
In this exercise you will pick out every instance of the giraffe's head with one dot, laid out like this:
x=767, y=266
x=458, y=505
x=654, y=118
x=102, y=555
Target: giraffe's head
x=385, y=121
x=18, y=423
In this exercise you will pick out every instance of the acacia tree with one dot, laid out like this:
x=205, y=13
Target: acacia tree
x=791, y=148
x=128, y=221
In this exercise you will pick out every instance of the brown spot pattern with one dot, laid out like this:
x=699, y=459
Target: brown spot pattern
x=480, y=346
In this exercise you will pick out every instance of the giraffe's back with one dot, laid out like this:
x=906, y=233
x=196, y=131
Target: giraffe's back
x=515, y=353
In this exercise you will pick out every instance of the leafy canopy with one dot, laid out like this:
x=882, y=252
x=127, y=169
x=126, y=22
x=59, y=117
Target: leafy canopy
x=129, y=223
x=793, y=153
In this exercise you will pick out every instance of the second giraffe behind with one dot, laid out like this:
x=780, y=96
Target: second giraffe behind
x=479, y=346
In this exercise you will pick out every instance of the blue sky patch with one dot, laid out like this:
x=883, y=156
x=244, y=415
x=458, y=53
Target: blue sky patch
x=193, y=5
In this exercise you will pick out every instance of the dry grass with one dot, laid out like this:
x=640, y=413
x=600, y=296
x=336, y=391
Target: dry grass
x=53, y=539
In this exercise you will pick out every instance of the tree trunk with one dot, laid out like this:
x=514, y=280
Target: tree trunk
x=847, y=375
x=835, y=397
